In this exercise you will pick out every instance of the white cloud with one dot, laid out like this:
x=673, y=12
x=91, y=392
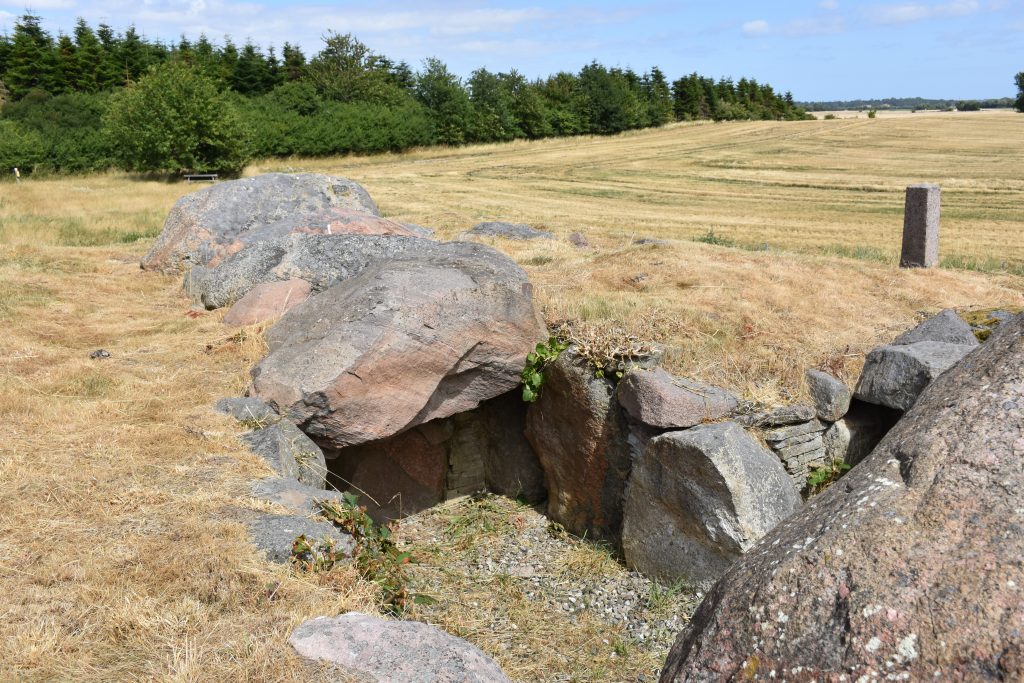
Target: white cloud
x=911, y=12
x=829, y=4
x=758, y=27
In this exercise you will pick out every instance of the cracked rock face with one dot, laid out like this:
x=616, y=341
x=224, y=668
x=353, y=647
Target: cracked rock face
x=406, y=341
x=908, y=568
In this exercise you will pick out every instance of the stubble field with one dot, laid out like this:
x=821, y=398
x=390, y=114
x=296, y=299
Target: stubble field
x=121, y=556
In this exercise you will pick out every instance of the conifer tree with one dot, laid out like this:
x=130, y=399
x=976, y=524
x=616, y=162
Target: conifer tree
x=89, y=55
x=32, y=62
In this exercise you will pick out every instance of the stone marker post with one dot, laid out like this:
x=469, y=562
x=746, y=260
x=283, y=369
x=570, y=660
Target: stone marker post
x=921, y=227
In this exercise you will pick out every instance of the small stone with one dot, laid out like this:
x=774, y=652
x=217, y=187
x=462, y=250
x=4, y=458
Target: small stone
x=894, y=376
x=831, y=397
x=247, y=409
x=579, y=240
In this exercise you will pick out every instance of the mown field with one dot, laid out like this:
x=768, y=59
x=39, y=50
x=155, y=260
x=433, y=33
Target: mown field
x=121, y=553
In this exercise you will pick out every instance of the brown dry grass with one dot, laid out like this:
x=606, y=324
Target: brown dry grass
x=121, y=553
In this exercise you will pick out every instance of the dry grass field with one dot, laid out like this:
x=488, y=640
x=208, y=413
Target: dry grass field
x=121, y=553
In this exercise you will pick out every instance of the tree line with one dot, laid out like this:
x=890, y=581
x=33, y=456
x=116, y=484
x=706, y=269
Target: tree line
x=99, y=99
x=915, y=103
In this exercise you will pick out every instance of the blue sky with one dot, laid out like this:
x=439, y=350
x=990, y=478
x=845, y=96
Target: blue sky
x=818, y=49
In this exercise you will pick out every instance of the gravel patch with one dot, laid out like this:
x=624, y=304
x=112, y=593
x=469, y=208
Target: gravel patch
x=482, y=539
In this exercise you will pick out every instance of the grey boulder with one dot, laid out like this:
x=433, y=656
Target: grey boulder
x=289, y=452
x=293, y=494
x=698, y=499
x=274, y=535
x=208, y=224
x=946, y=327
x=406, y=341
x=831, y=397
x=320, y=260
x=381, y=651
x=511, y=231
x=658, y=399
x=248, y=410
x=894, y=376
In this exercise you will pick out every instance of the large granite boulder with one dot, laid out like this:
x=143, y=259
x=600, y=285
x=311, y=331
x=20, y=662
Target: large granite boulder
x=946, y=327
x=908, y=568
x=379, y=651
x=579, y=433
x=698, y=499
x=406, y=341
x=657, y=399
x=894, y=376
x=216, y=221
x=319, y=260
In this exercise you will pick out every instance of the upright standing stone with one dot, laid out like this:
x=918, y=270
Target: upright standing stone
x=921, y=227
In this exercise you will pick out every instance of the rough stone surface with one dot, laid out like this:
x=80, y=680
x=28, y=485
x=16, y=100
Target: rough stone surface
x=658, y=399
x=510, y=231
x=778, y=417
x=700, y=498
x=511, y=467
x=289, y=452
x=208, y=224
x=292, y=494
x=831, y=397
x=836, y=441
x=921, y=227
x=320, y=260
x=407, y=341
x=385, y=651
x=851, y=439
x=481, y=450
x=894, y=376
x=267, y=301
x=946, y=326
x=248, y=409
x=580, y=434
x=909, y=568
x=275, y=534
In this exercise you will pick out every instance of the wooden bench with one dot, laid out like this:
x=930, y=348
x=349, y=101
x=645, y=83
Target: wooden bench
x=208, y=177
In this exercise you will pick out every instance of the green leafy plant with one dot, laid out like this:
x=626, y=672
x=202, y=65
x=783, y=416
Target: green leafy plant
x=532, y=376
x=823, y=476
x=376, y=556
x=311, y=555
x=710, y=237
x=872, y=113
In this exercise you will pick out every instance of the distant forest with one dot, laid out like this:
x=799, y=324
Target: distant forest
x=914, y=103
x=96, y=99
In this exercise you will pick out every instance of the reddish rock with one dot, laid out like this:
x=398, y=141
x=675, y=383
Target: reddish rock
x=908, y=568
x=267, y=301
x=580, y=436
x=374, y=650
x=406, y=341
